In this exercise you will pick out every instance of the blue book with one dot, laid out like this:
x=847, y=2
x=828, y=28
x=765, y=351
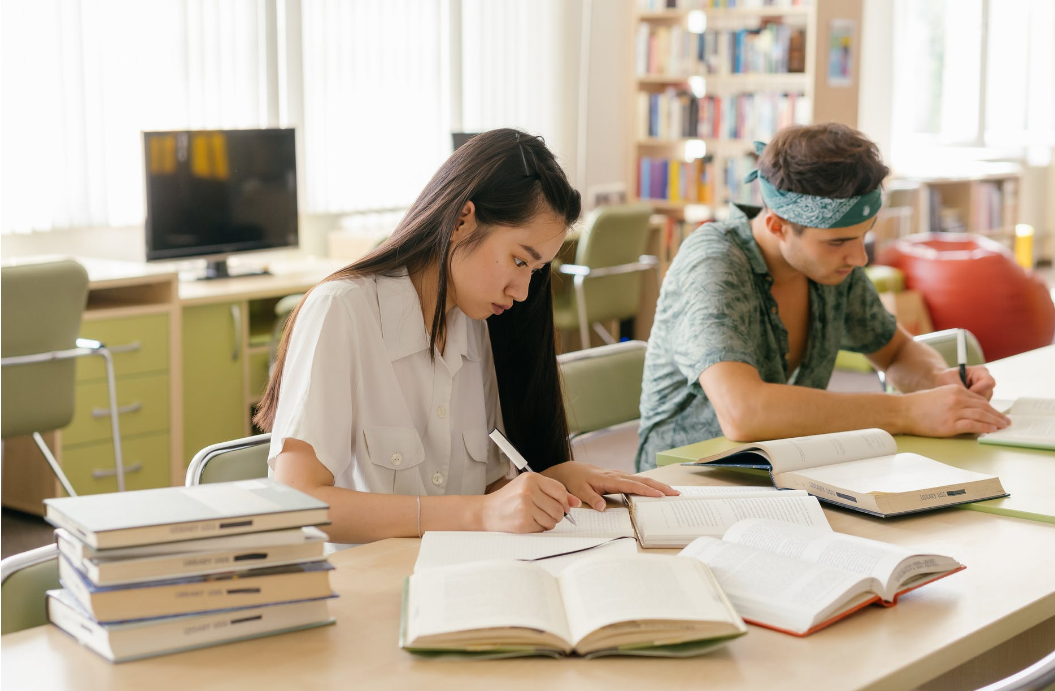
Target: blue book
x=133, y=640
x=247, y=588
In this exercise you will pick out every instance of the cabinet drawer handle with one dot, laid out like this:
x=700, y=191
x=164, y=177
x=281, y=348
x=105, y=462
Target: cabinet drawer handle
x=100, y=473
x=105, y=412
x=127, y=348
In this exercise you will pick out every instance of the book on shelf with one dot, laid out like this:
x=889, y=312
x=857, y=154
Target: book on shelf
x=691, y=182
x=860, y=470
x=124, y=641
x=798, y=580
x=645, y=605
x=189, y=594
x=1032, y=425
x=197, y=557
x=172, y=514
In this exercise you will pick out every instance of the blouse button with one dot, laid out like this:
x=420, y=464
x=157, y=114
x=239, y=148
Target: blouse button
x=397, y=458
x=441, y=412
x=437, y=479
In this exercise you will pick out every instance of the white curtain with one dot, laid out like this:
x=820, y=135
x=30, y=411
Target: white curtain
x=520, y=68
x=376, y=101
x=367, y=83
x=83, y=78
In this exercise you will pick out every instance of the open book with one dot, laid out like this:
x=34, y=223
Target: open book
x=861, y=470
x=798, y=580
x=649, y=605
x=1032, y=425
x=677, y=521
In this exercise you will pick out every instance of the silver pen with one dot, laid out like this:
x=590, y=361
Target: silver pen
x=519, y=461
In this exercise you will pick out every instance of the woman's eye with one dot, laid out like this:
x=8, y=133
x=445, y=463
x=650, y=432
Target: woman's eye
x=520, y=263
x=836, y=243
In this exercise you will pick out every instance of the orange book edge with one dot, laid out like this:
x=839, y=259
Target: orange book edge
x=874, y=600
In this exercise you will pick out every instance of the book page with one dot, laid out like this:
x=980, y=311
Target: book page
x=888, y=564
x=498, y=594
x=1036, y=429
x=607, y=590
x=446, y=548
x=713, y=516
x=1033, y=406
x=612, y=522
x=825, y=449
x=903, y=472
x=695, y=491
x=774, y=589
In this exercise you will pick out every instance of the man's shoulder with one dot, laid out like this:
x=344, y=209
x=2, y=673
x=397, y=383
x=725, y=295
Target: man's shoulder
x=714, y=243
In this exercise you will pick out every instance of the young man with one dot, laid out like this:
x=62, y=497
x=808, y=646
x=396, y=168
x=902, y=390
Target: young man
x=754, y=310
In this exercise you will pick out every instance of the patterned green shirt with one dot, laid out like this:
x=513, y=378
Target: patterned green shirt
x=716, y=306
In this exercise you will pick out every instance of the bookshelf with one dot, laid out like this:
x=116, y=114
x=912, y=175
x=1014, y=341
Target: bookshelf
x=982, y=198
x=710, y=77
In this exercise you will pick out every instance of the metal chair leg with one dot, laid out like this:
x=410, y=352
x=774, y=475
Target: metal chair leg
x=63, y=480
x=580, y=307
x=115, y=427
x=603, y=333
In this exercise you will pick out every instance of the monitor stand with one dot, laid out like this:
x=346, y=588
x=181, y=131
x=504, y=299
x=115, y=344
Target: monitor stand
x=217, y=268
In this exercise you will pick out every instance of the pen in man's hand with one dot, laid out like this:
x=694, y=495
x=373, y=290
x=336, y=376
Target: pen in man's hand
x=519, y=461
x=961, y=354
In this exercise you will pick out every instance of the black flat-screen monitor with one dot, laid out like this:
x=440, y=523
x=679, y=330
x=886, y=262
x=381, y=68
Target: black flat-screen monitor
x=211, y=193
x=458, y=139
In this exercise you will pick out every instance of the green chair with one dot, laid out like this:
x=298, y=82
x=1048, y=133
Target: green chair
x=25, y=578
x=239, y=459
x=606, y=280
x=945, y=343
x=602, y=393
x=41, y=310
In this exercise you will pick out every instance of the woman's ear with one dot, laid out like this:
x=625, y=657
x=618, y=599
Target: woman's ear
x=466, y=222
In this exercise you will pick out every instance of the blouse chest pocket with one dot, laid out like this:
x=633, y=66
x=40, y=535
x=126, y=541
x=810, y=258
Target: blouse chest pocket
x=477, y=446
x=393, y=449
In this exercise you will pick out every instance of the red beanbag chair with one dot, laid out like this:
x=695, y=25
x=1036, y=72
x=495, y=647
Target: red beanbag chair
x=971, y=282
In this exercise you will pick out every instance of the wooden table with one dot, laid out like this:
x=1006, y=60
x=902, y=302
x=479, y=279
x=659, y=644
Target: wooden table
x=1007, y=589
x=1027, y=474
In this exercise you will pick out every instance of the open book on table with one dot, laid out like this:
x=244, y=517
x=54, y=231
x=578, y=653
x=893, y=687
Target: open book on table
x=1032, y=425
x=799, y=580
x=861, y=470
x=677, y=521
x=646, y=605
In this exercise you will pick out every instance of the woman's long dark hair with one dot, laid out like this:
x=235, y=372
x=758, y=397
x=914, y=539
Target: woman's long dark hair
x=510, y=177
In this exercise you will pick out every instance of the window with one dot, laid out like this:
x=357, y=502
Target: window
x=370, y=85
x=974, y=76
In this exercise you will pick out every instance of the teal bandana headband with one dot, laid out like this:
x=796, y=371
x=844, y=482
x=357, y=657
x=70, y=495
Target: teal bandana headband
x=816, y=212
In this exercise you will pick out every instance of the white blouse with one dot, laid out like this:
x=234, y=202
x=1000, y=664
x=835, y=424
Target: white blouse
x=358, y=385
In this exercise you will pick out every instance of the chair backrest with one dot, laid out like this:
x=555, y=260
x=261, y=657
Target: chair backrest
x=40, y=309
x=602, y=386
x=945, y=343
x=613, y=235
x=26, y=577
x=239, y=459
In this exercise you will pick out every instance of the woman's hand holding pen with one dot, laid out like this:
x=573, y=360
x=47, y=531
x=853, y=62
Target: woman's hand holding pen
x=530, y=503
x=590, y=482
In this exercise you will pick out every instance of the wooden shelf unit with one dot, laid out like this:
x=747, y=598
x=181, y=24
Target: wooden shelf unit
x=823, y=101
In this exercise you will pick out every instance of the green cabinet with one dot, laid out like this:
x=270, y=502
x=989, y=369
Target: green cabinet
x=213, y=375
x=140, y=348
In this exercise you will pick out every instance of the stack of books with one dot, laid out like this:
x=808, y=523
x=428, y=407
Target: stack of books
x=159, y=571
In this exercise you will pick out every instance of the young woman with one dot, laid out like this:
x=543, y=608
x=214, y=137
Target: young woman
x=388, y=378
